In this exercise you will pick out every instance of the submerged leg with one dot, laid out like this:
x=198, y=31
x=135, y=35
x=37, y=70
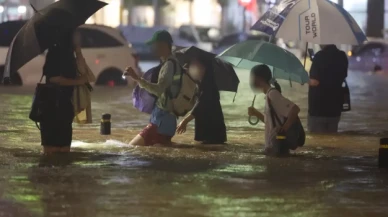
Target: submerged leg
x=49, y=150
x=65, y=149
x=137, y=141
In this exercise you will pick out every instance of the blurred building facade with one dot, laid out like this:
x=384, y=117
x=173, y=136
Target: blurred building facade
x=14, y=10
x=228, y=15
x=176, y=13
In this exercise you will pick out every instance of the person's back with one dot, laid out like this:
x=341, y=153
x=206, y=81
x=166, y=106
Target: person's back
x=327, y=74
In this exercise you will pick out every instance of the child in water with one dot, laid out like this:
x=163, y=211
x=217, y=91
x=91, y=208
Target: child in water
x=286, y=111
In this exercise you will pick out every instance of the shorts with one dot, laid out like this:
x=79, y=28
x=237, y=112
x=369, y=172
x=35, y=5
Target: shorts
x=151, y=136
x=56, y=134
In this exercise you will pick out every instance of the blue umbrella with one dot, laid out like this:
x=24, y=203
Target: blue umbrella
x=285, y=65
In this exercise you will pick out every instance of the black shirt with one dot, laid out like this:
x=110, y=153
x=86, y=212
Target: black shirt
x=60, y=61
x=329, y=67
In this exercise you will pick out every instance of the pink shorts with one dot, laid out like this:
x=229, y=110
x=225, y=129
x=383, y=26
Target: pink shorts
x=151, y=136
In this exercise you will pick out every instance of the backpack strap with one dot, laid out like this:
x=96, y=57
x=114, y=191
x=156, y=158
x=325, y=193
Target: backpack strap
x=168, y=91
x=174, y=64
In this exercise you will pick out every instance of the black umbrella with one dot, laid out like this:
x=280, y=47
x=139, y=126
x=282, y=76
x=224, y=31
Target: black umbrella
x=225, y=76
x=45, y=28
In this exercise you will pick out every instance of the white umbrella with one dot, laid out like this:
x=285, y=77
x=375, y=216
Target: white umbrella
x=312, y=21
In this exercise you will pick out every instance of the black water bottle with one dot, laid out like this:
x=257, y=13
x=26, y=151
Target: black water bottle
x=281, y=139
x=105, y=128
x=383, y=153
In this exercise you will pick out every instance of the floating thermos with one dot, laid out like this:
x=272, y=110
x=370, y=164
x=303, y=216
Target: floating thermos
x=346, y=106
x=383, y=153
x=105, y=128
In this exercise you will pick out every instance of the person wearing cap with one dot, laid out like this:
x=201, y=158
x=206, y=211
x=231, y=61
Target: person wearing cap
x=163, y=122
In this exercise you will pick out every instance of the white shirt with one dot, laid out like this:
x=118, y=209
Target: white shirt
x=282, y=107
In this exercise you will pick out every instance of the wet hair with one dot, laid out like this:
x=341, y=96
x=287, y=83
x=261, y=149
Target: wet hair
x=264, y=72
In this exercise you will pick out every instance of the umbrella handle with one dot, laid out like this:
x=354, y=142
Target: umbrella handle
x=253, y=120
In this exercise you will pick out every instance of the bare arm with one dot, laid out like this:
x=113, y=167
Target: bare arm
x=260, y=116
x=188, y=118
x=292, y=117
x=62, y=81
x=183, y=124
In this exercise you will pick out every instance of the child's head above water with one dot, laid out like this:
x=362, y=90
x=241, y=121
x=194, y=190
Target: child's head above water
x=261, y=78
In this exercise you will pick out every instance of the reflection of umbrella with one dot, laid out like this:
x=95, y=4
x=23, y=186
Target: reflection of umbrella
x=314, y=21
x=250, y=53
x=44, y=29
x=225, y=76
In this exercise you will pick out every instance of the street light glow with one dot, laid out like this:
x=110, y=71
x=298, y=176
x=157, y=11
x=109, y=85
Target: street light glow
x=22, y=9
x=1, y=9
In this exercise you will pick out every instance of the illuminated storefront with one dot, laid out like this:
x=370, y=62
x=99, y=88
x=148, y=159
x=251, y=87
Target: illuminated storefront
x=110, y=15
x=358, y=9
x=14, y=10
x=177, y=13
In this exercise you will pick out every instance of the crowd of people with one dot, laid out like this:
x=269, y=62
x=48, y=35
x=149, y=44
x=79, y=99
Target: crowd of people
x=280, y=116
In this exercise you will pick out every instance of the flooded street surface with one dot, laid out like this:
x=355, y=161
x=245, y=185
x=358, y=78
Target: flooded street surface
x=331, y=176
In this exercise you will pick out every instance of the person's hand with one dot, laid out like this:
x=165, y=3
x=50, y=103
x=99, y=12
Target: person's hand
x=253, y=112
x=181, y=127
x=313, y=82
x=130, y=72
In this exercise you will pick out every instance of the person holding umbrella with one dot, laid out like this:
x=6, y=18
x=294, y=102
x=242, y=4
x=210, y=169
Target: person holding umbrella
x=281, y=115
x=207, y=112
x=325, y=99
x=277, y=109
x=60, y=69
x=52, y=29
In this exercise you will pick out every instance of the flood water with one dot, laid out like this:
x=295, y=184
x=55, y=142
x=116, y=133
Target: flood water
x=104, y=177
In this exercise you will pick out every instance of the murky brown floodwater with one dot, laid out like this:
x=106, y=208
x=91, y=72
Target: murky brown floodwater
x=332, y=176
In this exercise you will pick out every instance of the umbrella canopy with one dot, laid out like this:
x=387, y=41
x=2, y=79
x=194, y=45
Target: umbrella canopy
x=225, y=76
x=249, y=53
x=45, y=28
x=314, y=21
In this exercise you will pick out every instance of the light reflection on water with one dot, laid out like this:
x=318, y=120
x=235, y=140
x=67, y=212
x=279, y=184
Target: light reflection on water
x=332, y=176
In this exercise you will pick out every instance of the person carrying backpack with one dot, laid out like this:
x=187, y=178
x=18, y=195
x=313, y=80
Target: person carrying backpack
x=163, y=121
x=207, y=112
x=283, y=130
